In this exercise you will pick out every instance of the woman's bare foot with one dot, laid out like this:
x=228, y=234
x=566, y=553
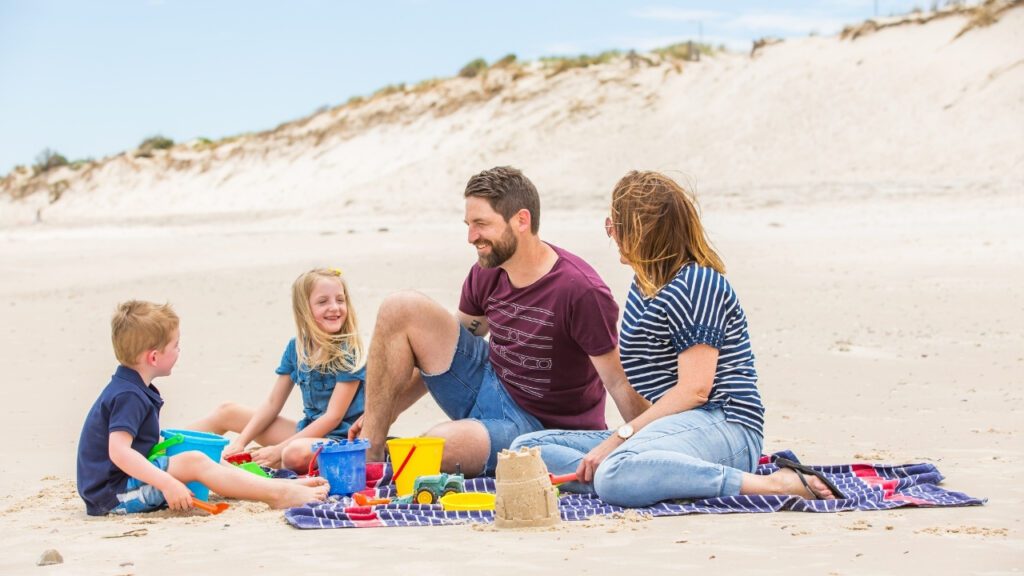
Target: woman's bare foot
x=787, y=481
x=297, y=493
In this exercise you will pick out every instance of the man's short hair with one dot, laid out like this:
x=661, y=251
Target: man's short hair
x=138, y=326
x=508, y=191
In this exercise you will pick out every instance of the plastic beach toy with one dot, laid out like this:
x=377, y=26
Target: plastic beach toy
x=342, y=463
x=210, y=444
x=211, y=508
x=418, y=457
x=160, y=449
x=468, y=501
x=244, y=461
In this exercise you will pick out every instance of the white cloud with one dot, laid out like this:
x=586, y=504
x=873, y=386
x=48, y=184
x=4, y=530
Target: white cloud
x=786, y=23
x=675, y=14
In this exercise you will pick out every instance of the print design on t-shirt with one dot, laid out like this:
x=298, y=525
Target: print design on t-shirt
x=502, y=334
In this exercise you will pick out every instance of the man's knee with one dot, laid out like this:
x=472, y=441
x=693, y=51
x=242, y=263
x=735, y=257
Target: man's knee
x=450, y=431
x=467, y=446
x=400, y=308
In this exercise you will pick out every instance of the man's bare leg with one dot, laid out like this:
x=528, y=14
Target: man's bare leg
x=412, y=331
x=467, y=445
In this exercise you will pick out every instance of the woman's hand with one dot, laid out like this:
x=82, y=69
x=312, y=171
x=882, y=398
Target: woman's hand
x=268, y=456
x=588, y=466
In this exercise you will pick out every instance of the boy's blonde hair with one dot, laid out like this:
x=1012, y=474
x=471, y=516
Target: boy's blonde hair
x=138, y=326
x=316, y=349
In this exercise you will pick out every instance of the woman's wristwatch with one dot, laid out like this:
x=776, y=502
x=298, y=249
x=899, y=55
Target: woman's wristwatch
x=624, y=432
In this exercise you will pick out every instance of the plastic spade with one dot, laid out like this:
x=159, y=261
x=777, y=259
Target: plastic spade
x=211, y=508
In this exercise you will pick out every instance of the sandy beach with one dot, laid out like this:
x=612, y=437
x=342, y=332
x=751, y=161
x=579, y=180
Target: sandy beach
x=874, y=239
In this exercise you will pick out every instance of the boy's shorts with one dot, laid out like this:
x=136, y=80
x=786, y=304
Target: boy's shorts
x=141, y=497
x=471, y=390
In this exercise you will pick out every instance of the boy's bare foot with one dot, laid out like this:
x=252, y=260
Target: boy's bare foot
x=787, y=481
x=311, y=481
x=297, y=493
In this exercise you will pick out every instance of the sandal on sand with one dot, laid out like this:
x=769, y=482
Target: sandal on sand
x=801, y=470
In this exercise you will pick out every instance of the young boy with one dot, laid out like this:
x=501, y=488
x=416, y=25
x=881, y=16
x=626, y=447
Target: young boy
x=123, y=425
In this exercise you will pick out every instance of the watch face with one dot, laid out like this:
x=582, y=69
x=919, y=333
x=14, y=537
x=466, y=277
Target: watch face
x=625, y=431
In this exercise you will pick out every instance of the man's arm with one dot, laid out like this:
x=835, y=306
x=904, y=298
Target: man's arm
x=627, y=400
x=477, y=325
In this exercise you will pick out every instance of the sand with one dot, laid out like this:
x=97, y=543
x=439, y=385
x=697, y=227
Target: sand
x=877, y=252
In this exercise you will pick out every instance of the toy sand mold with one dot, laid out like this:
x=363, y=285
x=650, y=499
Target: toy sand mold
x=525, y=497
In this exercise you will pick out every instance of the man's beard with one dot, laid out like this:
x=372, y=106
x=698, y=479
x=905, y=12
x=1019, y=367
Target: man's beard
x=501, y=250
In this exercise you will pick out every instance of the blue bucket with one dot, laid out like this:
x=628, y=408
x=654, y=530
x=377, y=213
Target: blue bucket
x=343, y=464
x=210, y=444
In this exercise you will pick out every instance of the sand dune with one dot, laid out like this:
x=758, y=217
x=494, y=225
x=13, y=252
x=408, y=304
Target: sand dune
x=911, y=107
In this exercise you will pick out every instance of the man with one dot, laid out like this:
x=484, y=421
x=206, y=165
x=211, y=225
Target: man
x=552, y=342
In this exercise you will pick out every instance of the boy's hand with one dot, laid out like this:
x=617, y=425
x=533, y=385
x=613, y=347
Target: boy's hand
x=268, y=456
x=178, y=496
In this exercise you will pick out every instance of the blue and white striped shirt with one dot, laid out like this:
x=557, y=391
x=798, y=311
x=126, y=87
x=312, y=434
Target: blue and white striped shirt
x=698, y=306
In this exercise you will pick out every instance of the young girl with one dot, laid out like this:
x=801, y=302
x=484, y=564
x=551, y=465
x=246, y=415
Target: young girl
x=325, y=360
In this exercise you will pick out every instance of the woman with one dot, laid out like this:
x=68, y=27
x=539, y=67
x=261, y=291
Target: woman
x=684, y=348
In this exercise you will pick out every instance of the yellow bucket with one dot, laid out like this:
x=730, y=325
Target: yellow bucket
x=425, y=460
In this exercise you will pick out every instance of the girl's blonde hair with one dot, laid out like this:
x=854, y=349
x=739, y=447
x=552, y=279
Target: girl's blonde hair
x=316, y=349
x=657, y=226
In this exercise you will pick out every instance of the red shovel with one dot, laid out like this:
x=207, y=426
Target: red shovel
x=211, y=508
x=556, y=480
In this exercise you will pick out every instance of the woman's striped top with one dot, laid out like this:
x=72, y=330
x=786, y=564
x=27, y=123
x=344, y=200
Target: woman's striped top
x=698, y=306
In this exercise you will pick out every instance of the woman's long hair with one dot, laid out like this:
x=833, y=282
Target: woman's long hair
x=316, y=349
x=658, y=230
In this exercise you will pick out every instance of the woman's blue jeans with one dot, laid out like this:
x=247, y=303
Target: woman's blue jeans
x=691, y=455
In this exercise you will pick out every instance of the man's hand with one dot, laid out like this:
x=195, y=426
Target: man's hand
x=588, y=466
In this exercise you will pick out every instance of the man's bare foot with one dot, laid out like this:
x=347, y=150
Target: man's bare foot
x=296, y=494
x=787, y=481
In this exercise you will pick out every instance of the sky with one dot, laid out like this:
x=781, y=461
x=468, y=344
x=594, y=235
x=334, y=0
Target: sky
x=91, y=79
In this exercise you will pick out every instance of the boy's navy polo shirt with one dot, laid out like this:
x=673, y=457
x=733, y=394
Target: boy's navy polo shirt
x=127, y=404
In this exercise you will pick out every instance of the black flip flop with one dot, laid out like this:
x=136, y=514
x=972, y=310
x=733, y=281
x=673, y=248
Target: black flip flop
x=800, y=470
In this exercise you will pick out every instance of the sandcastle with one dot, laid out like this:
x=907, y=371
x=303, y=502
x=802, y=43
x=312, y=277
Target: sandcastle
x=525, y=496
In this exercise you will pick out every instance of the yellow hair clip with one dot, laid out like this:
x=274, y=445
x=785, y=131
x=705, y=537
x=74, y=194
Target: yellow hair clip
x=337, y=271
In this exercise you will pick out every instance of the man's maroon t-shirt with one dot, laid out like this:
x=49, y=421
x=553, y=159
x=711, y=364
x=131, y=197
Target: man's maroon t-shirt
x=542, y=336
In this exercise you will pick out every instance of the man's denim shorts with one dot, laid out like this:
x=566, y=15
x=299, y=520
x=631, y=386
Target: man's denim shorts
x=141, y=497
x=470, y=390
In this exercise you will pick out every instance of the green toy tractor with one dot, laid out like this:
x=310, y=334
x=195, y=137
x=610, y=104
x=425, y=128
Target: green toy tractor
x=430, y=489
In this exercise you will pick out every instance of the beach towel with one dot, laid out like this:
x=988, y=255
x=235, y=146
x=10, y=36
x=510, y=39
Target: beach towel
x=867, y=487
